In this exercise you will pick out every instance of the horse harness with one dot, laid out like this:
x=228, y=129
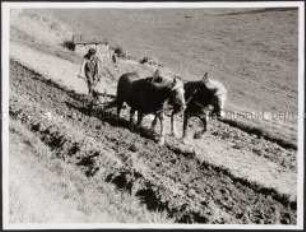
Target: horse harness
x=195, y=102
x=192, y=95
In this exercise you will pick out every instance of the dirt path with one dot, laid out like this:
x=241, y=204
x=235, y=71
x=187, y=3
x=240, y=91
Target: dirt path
x=167, y=179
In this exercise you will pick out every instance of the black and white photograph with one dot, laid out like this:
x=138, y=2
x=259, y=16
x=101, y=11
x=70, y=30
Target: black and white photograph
x=153, y=115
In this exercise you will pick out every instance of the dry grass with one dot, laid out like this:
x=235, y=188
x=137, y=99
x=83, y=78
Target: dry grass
x=74, y=197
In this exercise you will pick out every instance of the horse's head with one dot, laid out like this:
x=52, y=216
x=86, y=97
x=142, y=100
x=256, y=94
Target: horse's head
x=218, y=102
x=174, y=89
x=177, y=96
x=216, y=95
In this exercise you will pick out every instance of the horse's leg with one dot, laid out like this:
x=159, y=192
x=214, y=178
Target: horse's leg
x=139, y=119
x=119, y=106
x=132, y=115
x=204, y=120
x=173, y=128
x=162, y=131
x=154, y=123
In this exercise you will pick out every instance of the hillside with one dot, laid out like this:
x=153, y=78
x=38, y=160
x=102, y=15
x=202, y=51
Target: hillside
x=234, y=174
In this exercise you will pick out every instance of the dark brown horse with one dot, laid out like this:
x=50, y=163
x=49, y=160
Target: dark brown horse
x=148, y=95
x=204, y=98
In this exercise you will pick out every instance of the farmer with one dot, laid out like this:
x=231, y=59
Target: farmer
x=91, y=70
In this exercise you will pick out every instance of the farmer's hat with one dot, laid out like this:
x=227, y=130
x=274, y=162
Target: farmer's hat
x=91, y=51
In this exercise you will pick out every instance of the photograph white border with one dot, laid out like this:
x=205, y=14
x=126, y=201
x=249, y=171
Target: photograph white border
x=6, y=6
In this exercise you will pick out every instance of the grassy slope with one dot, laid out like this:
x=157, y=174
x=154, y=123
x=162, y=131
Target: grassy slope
x=255, y=55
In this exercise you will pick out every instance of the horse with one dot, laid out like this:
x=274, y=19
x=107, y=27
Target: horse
x=148, y=96
x=200, y=97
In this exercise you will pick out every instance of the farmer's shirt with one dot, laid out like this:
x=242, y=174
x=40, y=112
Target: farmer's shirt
x=92, y=69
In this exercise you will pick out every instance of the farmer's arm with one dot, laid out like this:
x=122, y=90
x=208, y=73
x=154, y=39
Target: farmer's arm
x=81, y=73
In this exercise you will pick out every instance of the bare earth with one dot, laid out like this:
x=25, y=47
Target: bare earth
x=229, y=176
